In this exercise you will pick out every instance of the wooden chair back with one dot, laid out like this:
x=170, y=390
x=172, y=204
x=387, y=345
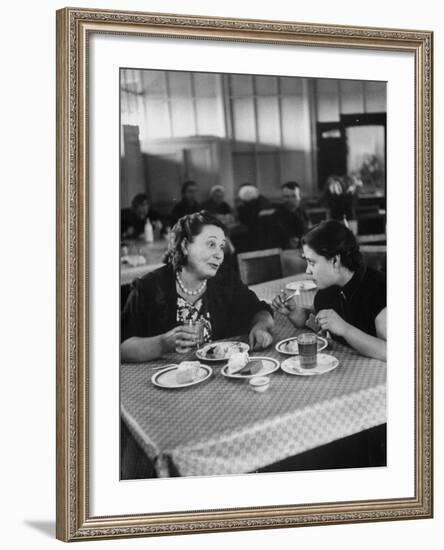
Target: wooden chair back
x=260, y=266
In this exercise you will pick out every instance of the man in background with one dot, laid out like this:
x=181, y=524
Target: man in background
x=290, y=218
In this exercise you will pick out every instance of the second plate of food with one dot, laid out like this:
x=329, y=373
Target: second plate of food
x=220, y=351
x=256, y=366
x=289, y=346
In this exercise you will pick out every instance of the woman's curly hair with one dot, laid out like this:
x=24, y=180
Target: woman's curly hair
x=332, y=238
x=184, y=231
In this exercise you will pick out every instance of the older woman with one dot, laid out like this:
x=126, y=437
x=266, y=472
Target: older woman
x=193, y=285
x=351, y=300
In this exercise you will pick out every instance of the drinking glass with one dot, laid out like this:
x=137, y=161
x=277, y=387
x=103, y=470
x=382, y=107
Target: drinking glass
x=308, y=350
x=197, y=328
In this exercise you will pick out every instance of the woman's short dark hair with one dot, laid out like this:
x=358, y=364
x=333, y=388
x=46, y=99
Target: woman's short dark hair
x=186, y=184
x=292, y=185
x=185, y=229
x=139, y=199
x=332, y=238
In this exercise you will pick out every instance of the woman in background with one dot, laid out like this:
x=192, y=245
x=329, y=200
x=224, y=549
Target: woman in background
x=216, y=203
x=250, y=213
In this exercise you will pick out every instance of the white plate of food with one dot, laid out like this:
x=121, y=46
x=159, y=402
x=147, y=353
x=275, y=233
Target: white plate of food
x=306, y=284
x=182, y=375
x=325, y=363
x=254, y=366
x=289, y=346
x=220, y=351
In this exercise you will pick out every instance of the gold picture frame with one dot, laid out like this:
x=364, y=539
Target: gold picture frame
x=74, y=27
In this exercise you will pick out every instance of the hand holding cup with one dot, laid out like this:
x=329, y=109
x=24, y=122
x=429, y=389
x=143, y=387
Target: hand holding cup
x=284, y=302
x=181, y=338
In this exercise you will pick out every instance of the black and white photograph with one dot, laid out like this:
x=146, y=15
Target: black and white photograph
x=206, y=342
x=253, y=251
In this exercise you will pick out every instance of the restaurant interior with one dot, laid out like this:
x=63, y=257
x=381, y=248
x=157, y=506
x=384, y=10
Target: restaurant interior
x=231, y=132
x=229, y=129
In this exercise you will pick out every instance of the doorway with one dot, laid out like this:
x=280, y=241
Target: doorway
x=354, y=144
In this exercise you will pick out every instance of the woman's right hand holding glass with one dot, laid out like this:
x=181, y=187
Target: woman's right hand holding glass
x=181, y=338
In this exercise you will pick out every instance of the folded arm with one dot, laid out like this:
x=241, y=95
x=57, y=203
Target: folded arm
x=371, y=346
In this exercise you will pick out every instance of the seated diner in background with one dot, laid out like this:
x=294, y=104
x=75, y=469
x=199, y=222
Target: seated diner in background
x=217, y=205
x=133, y=219
x=290, y=219
x=194, y=285
x=188, y=204
x=253, y=209
x=351, y=299
x=252, y=203
x=341, y=196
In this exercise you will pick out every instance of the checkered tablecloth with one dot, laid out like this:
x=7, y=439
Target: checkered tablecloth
x=222, y=427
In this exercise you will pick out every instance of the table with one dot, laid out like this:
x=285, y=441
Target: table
x=153, y=254
x=222, y=427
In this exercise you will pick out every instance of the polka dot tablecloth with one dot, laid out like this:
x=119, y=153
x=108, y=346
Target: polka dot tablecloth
x=221, y=426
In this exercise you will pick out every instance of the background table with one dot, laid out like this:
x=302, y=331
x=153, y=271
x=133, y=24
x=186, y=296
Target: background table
x=222, y=427
x=153, y=254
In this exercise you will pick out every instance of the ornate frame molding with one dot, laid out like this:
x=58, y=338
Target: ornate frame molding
x=73, y=27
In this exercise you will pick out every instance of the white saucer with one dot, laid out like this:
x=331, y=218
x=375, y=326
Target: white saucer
x=322, y=344
x=306, y=284
x=325, y=363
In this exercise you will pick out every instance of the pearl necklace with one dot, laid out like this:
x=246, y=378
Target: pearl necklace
x=190, y=292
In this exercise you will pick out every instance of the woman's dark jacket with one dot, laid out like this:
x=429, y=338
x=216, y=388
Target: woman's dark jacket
x=151, y=306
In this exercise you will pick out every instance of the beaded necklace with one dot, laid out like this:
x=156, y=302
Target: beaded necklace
x=190, y=292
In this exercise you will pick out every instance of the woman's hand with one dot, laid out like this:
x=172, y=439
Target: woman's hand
x=259, y=337
x=183, y=336
x=329, y=320
x=296, y=314
x=283, y=307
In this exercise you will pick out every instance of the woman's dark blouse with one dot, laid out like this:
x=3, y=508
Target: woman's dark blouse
x=358, y=302
x=151, y=306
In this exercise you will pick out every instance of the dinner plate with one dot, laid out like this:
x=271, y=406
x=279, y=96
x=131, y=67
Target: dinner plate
x=325, y=363
x=307, y=284
x=166, y=378
x=280, y=346
x=204, y=353
x=269, y=365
